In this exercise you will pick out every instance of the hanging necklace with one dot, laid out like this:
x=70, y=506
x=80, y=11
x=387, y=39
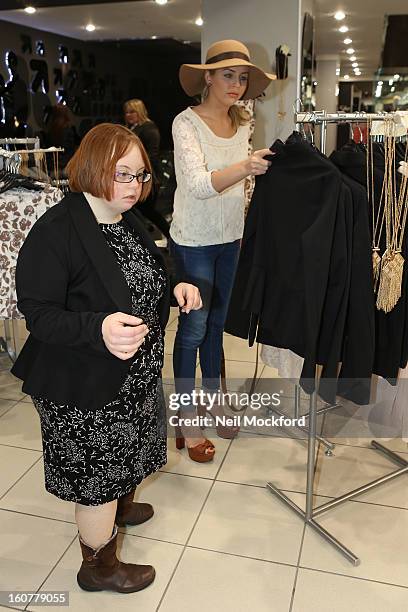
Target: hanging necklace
x=395, y=210
x=377, y=228
x=400, y=224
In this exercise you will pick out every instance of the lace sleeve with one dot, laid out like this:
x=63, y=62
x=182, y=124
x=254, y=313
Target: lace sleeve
x=191, y=159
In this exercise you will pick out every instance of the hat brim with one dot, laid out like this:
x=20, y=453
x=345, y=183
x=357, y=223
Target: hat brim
x=192, y=77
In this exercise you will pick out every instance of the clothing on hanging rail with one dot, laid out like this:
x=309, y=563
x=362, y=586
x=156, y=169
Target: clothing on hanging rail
x=391, y=329
x=286, y=362
x=296, y=267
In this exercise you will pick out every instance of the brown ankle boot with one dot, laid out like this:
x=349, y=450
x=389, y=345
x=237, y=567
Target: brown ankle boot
x=102, y=571
x=132, y=513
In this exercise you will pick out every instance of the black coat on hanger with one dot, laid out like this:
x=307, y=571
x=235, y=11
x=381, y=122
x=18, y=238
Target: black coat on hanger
x=282, y=278
x=297, y=285
x=359, y=330
x=68, y=281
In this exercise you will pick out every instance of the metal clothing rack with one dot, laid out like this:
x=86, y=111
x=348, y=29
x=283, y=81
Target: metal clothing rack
x=23, y=141
x=329, y=445
x=310, y=513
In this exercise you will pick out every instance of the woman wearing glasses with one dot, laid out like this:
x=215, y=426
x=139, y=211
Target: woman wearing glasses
x=95, y=295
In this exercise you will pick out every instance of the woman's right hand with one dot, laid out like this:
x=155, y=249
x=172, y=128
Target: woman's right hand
x=123, y=334
x=256, y=164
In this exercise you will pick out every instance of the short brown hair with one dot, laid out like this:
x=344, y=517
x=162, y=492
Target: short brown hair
x=92, y=167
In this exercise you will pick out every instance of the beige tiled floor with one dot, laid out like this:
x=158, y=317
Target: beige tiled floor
x=218, y=539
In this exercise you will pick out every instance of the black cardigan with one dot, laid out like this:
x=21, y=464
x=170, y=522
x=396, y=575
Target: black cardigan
x=68, y=281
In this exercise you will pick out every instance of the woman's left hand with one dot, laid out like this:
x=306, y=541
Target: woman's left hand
x=188, y=297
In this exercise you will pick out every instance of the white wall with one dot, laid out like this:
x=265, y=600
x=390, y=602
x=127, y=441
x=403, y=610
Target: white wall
x=262, y=25
x=326, y=98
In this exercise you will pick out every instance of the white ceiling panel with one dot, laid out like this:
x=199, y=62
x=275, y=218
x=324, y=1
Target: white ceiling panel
x=365, y=20
x=116, y=20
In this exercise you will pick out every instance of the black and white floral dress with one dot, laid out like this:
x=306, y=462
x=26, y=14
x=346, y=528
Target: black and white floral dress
x=93, y=457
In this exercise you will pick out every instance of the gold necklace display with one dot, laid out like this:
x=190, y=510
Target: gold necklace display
x=394, y=217
x=376, y=227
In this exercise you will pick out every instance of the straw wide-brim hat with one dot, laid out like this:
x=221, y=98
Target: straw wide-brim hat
x=225, y=54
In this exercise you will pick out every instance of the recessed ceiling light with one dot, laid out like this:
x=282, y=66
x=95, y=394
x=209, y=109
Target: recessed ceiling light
x=352, y=58
x=340, y=15
x=161, y=2
x=350, y=51
x=347, y=41
x=154, y=37
x=30, y=10
x=90, y=27
x=199, y=21
x=346, y=77
x=343, y=29
x=355, y=64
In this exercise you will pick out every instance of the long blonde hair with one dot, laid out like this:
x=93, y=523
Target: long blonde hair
x=238, y=115
x=138, y=106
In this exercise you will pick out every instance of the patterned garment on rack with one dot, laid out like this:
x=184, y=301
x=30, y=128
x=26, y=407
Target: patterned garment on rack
x=19, y=210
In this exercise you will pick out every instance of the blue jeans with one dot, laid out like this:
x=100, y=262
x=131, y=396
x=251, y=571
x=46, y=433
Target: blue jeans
x=211, y=269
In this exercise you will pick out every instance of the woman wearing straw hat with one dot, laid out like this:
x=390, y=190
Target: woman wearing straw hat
x=211, y=163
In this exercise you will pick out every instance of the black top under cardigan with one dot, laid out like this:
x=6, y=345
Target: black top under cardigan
x=68, y=281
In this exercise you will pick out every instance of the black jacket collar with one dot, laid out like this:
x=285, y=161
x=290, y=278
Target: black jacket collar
x=100, y=254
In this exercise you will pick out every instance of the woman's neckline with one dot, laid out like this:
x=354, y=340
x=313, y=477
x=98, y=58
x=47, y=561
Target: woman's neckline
x=140, y=124
x=120, y=222
x=190, y=108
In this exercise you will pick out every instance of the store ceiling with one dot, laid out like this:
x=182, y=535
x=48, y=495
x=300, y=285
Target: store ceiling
x=365, y=20
x=20, y=4
x=136, y=19
x=113, y=20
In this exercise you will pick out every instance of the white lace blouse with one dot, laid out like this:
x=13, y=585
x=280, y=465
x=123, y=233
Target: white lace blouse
x=202, y=216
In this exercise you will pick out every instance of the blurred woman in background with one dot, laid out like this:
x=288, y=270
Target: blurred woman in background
x=61, y=132
x=138, y=121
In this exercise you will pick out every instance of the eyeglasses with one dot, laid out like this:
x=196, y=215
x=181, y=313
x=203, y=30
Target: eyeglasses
x=126, y=177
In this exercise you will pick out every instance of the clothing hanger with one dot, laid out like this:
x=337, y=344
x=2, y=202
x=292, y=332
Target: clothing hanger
x=10, y=177
x=311, y=133
x=14, y=181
